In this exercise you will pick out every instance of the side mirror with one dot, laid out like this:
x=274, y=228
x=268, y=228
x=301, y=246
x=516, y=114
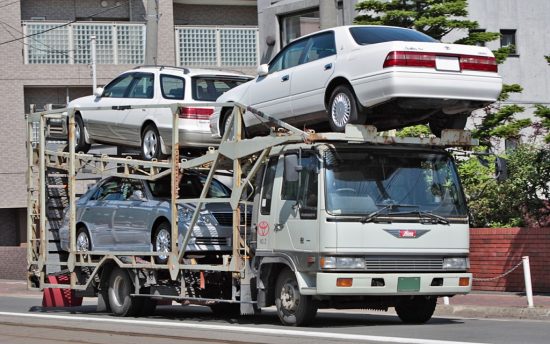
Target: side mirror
x=501, y=169
x=292, y=168
x=98, y=92
x=263, y=69
x=137, y=195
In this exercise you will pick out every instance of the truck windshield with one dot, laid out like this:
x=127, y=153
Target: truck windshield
x=361, y=183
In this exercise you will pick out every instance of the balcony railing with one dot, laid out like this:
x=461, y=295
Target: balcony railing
x=217, y=46
x=61, y=43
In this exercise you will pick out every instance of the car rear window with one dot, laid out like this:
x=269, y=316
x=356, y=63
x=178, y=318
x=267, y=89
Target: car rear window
x=373, y=35
x=210, y=88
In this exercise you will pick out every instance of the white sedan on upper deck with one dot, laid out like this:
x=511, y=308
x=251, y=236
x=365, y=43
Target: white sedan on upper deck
x=390, y=77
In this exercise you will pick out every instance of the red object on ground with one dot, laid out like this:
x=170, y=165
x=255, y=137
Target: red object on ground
x=58, y=297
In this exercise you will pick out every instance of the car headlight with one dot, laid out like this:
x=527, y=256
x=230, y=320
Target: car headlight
x=342, y=263
x=456, y=263
x=186, y=214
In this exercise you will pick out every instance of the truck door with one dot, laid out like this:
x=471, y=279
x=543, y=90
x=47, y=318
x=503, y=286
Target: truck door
x=296, y=226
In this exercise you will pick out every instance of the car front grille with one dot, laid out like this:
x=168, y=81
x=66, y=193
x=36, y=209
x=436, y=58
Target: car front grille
x=226, y=219
x=222, y=241
x=403, y=264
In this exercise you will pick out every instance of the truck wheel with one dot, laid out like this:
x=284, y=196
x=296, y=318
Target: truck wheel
x=162, y=242
x=343, y=109
x=79, y=136
x=293, y=308
x=150, y=143
x=416, y=310
x=120, y=288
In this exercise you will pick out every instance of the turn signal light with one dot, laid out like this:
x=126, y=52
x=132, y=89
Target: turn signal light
x=464, y=281
x=344, y=282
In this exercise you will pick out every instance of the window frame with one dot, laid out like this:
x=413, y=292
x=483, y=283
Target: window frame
x=513, y=32
x=280, y=55
x=309, y=45
x=116, y=80
x=162, y=76
x=273, y=162
x=136, y=77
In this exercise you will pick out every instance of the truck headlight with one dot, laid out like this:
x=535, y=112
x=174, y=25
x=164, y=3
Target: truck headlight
x=456, y=263
x=342, y=262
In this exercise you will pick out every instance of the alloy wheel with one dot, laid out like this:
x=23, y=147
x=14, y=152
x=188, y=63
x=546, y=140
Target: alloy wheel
x=150, y=144
x=162, y=243
x=341, y=109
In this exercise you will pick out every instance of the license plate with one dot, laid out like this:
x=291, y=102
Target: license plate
x=407, y=284
x=447, y=63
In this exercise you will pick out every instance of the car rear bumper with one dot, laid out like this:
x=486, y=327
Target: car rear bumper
x=376, y=89
x=362, y=284
x=189, y=138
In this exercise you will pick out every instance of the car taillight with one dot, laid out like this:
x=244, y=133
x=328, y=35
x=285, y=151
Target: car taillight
x=480, y=63
x=410, y=59
x=195, y=113
x=428, y=60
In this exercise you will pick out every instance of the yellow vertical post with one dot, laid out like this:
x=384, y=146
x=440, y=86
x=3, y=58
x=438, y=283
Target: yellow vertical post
x=175, y=179
x=237, y=174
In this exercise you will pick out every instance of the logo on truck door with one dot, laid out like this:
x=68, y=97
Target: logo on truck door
x=263, y=228
x=407, y=233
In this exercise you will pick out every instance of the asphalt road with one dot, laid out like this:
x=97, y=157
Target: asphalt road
x=23, y=320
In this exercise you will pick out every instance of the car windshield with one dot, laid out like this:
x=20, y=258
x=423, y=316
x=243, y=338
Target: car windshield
x=210, y=88
x=190, y=187
x=372, y=35
x=391, y=182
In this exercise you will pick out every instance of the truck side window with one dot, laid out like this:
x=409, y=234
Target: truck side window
x=307, y=193
x=267, y=189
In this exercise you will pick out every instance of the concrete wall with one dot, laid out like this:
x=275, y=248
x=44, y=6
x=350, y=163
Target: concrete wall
x=14, y=263
x=64, y=10
x=494, y=251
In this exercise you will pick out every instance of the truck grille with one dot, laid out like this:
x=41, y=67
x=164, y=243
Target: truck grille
x=403, y=264
x=226, y=219
x=222, y=241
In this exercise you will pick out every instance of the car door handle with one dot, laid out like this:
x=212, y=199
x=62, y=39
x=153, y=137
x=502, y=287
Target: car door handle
x=285, y=78
x=328, y=66
x=279, y=227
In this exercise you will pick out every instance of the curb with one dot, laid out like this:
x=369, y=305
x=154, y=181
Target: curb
x=493, y=312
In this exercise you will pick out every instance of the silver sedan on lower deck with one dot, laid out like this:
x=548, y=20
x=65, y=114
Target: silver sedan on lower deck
x=121, y=214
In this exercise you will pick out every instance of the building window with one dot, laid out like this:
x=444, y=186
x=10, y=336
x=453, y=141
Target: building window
x=298, y=24
x=508, y=38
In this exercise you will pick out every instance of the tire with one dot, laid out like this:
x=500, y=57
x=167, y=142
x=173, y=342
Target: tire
x=150, y=143
x=439, y=122
x=227, y=118
x=293, y=308
x=416, y=310
x=83, y=242
x=80, y=141
x=120, y=301
x=343, y=109
x=162, y=242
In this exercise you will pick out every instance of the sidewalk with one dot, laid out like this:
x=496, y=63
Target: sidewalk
x=474, y=305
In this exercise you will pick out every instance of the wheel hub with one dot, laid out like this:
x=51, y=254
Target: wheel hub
x=162, y=243
x=82, y=243
x=290, y=298
x=341, y=109
x=120, y=291
x=150, y=144
x=77, y=134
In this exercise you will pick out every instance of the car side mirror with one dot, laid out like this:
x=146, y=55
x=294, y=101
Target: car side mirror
x=98, y=92
x=292, y=168
x=137, y=195
x=263, y=69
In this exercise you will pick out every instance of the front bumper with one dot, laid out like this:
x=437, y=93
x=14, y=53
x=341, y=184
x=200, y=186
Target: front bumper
x=363, y=285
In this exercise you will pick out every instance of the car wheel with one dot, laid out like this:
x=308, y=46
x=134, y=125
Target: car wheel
x=150, y=143
x=293, y=308
x=416, y=310
x=120, y=288
x=79, y=136
x=439, y=122
x=83, y=242
x=343, y=109
x=162, y=242
x=227, y=120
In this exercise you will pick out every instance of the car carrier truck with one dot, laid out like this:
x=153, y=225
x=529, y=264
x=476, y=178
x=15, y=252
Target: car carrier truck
x=339, y=220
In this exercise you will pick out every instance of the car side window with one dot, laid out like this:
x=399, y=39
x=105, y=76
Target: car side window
x=267, y=190
x=117, y=88
x=142, y=86
x=305, y=189
x=172, y=87
x=132, y=190
x=109, y=191
x=289, y=57
x=320, y=46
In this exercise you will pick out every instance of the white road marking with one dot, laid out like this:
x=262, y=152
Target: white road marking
x=242, y=329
